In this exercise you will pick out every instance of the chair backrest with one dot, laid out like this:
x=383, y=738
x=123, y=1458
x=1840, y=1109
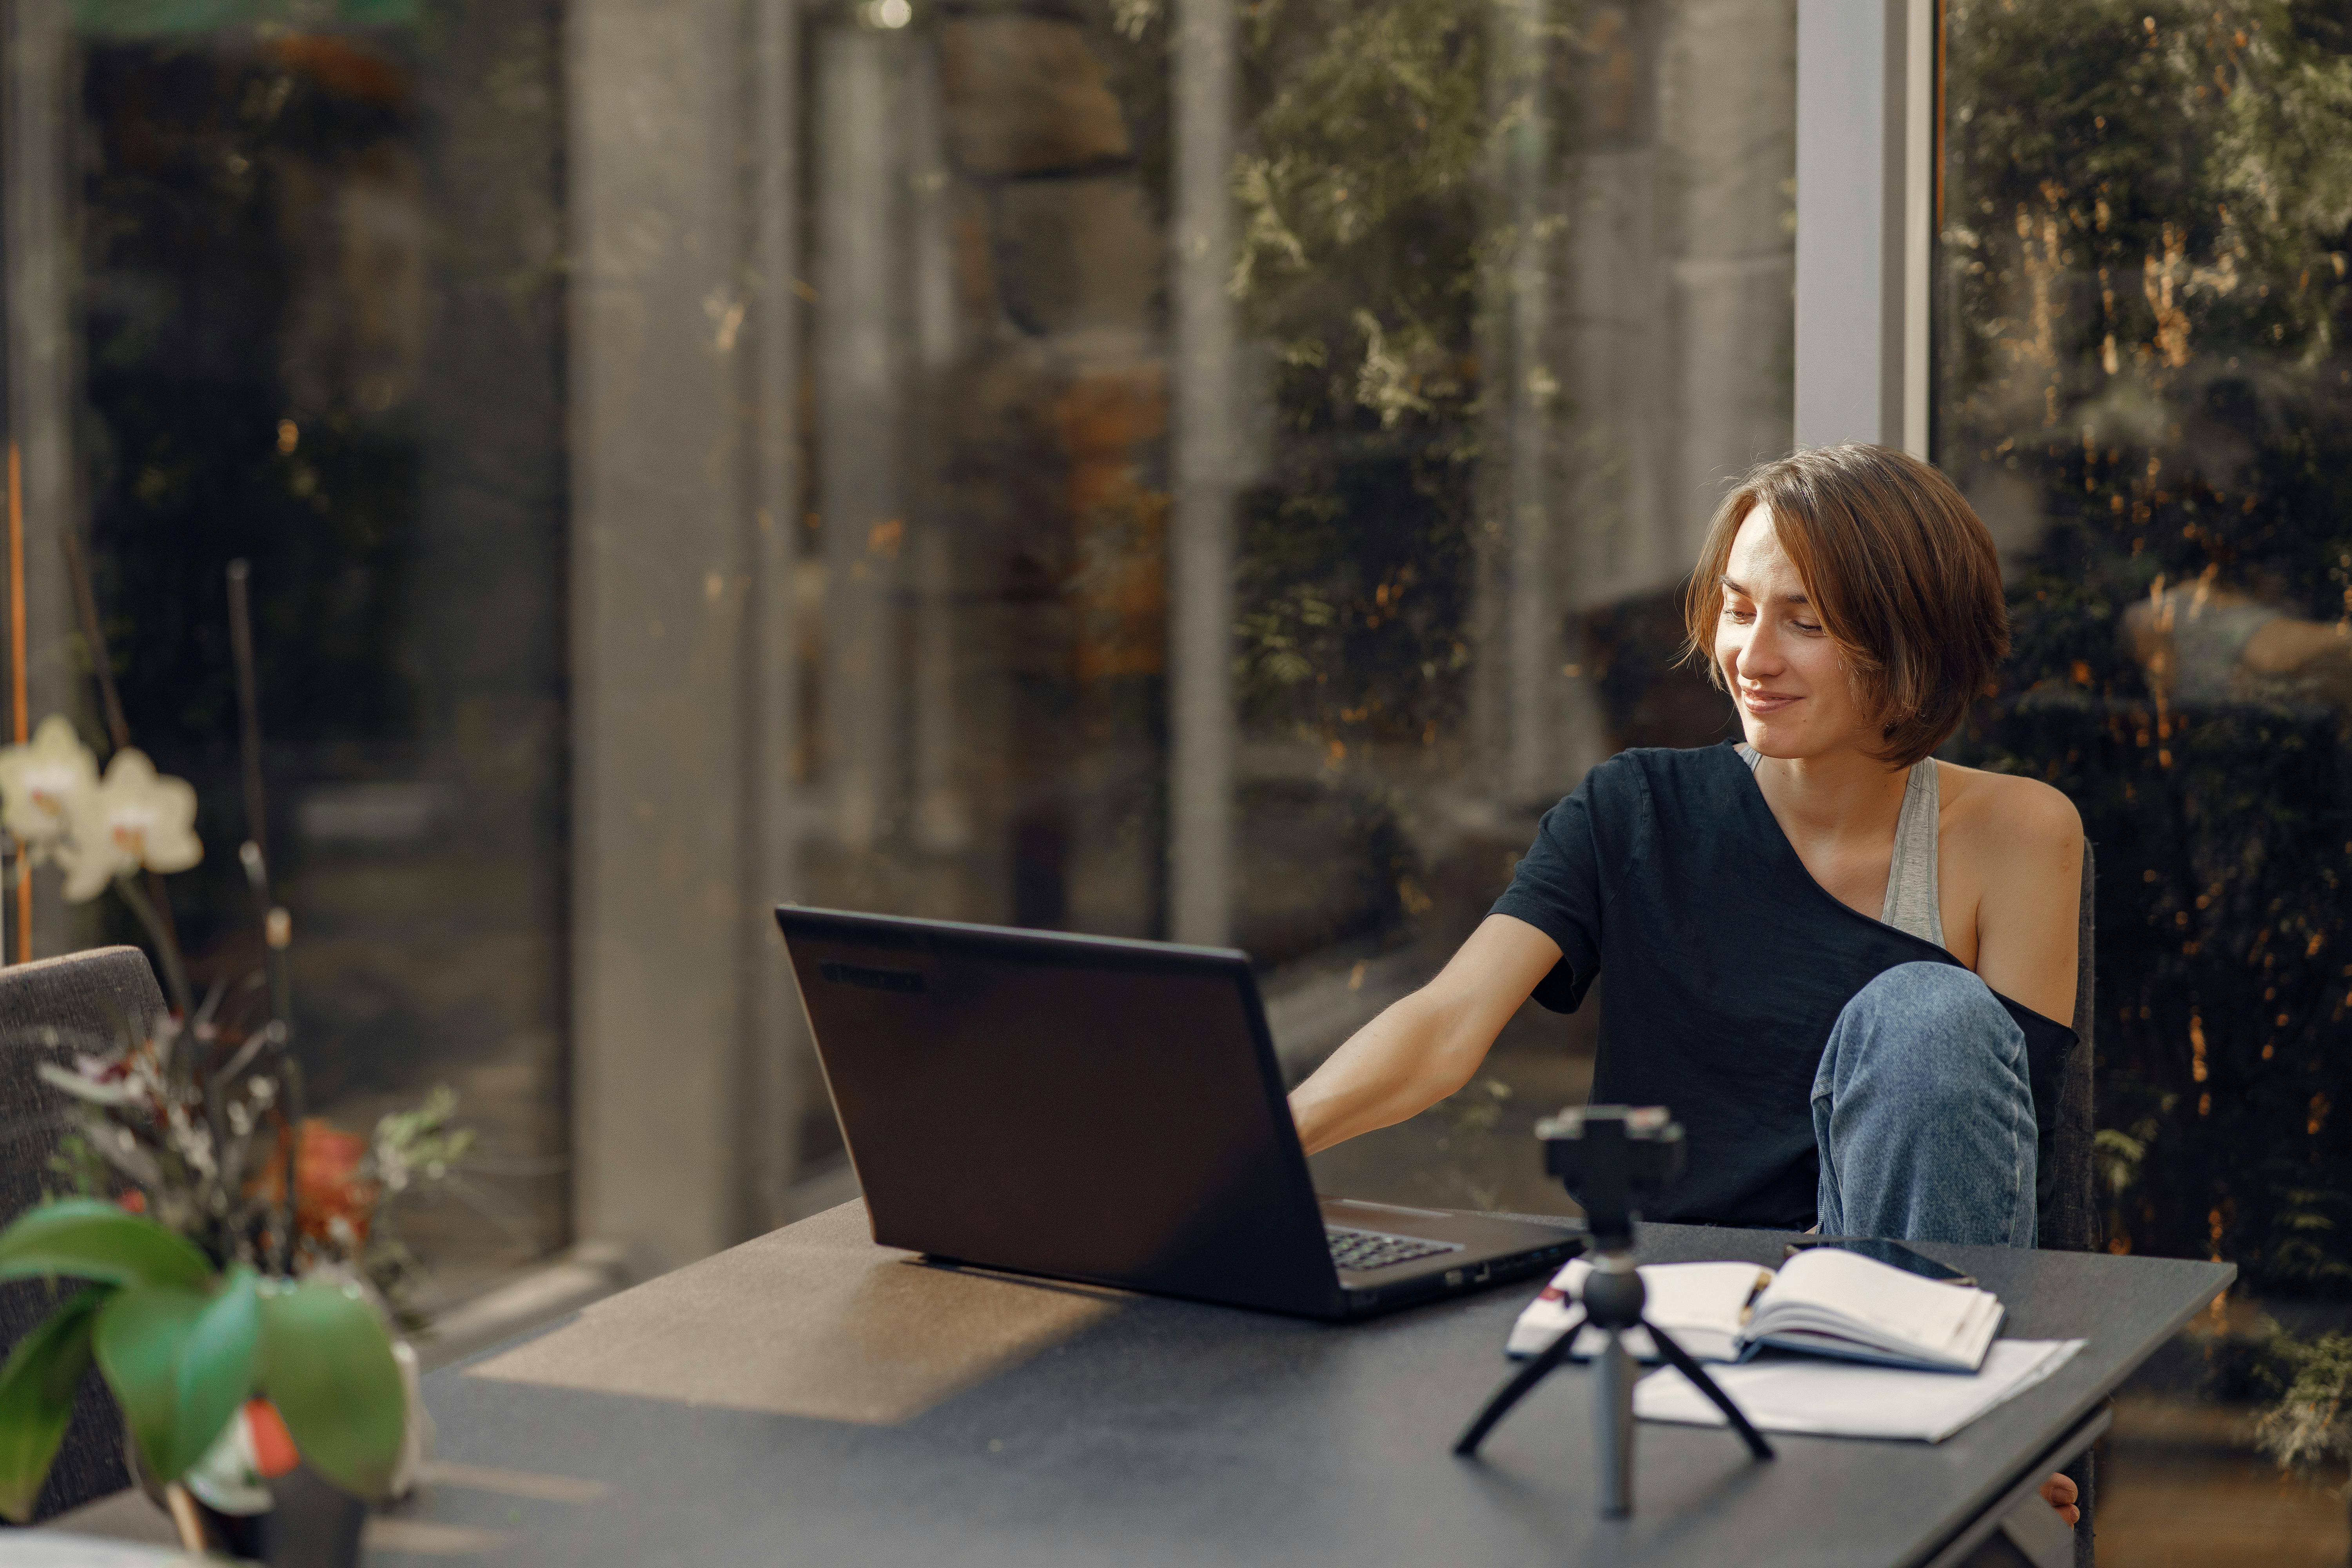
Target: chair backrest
x=48, y=1010
x=2069, y=1219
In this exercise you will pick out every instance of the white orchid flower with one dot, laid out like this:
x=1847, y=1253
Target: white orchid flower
x=135, y=817
x=39, y=783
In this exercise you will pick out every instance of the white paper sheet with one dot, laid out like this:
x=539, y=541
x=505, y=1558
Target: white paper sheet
x=1845, y=1399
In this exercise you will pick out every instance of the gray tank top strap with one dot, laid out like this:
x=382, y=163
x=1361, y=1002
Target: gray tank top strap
x=1912, y=902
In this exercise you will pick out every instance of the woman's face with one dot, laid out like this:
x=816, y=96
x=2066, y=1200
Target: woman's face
x=1785, y=675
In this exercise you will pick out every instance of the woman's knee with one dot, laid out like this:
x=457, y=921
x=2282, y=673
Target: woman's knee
x=1927, y=1023
x=1927, y=996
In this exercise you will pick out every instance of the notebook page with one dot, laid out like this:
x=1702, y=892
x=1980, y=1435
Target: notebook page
x=1826, y=1334
x=1825, y=1288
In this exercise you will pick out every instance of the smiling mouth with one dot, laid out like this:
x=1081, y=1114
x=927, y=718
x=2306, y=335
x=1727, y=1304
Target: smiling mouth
x=1764, y=702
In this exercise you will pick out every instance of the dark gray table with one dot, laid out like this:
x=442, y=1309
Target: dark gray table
x=811, y=1398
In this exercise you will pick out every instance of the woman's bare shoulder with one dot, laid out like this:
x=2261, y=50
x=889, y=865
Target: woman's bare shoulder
x=2014, y=849
x=2005, y=817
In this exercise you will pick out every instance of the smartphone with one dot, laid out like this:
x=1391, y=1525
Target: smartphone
x=1892, y=1253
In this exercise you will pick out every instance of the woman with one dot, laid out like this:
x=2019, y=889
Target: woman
x=1840, y=962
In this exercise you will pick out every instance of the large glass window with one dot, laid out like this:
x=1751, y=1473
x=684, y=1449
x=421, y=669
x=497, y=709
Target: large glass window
x=308, y=311
x=2142, y=383
x=1159, y=468
x=1509, y=300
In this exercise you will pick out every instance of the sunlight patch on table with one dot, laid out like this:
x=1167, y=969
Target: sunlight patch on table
x=815, y=1321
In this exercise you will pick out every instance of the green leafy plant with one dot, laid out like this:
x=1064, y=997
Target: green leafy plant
x=2310, y=1422
x=183, y=1345
x=196, y=1173
x=1365, y=192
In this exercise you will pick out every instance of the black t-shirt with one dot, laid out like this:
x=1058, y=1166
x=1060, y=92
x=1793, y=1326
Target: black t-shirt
x=1727, y=966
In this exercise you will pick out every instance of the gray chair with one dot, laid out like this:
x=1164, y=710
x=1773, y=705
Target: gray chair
x=2069, y=1219
x=48, y=1010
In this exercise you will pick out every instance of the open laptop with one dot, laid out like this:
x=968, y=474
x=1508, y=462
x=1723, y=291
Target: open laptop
x=1104, y=1110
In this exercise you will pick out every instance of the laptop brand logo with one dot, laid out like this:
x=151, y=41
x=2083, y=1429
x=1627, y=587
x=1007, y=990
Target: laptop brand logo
x=906, y=982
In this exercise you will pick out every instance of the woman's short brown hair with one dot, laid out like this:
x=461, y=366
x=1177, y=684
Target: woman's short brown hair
x=1900, y=569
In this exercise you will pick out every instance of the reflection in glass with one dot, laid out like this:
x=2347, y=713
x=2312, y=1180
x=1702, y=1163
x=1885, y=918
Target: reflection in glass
x=2143, y=386
x=313, y=288
x=1249, y=451
x=1155, y=469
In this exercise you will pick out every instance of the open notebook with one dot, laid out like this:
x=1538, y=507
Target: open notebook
x=1822, y=1300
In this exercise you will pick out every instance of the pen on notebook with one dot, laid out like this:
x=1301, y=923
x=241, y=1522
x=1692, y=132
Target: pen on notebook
x=1747, y=1308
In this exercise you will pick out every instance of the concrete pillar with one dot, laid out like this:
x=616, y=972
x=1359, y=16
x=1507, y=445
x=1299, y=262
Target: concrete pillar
x=778, y=1040
x=942, y=814
x=1523, y=36
x=1726, y=115
x=1615, y=335
x=1531, y=725
x=1488, y=626
x=661, y=558
x=1674, y=338
x=862, y=419
x=1200, y=536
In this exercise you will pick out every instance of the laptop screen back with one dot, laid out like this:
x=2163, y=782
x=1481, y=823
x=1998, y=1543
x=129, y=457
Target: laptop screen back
x=1078, y=1106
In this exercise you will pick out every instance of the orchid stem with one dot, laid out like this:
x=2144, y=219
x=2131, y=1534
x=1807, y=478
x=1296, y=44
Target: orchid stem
x=185, y=1521
x=248, y=698
x=276, y=932
x=118, y=728
x=176, y=973
x=290, y=1072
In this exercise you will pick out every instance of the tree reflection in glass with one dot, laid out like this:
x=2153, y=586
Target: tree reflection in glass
x=2143, y=219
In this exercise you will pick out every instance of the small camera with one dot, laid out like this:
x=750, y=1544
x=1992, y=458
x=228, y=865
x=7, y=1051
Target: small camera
x=1611, y=1156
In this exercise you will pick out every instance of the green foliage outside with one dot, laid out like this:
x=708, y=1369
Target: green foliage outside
x=2310, y=1424
x=1364, y=210
x=2147, y=216
x=1369, y=233
x=2182, y=417
x=1373, y=233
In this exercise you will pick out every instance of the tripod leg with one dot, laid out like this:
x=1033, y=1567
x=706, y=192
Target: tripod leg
x=1537, y=1368
x=1707, y=1386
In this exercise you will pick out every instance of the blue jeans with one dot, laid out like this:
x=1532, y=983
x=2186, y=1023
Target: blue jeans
x=1924, y=1115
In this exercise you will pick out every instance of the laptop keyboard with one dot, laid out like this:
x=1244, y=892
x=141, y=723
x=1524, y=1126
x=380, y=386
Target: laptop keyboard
x=1361, y=1250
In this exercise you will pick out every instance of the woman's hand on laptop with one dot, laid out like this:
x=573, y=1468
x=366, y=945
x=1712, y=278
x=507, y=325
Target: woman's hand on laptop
x=2061, y=1493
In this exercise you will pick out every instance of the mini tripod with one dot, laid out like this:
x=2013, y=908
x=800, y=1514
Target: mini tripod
x=1615, y=1150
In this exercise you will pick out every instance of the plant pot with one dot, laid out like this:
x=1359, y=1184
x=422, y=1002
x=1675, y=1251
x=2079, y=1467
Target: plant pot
x=310, y=1522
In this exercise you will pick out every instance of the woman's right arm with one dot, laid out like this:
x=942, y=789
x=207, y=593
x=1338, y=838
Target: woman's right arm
x=1425, y=1045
